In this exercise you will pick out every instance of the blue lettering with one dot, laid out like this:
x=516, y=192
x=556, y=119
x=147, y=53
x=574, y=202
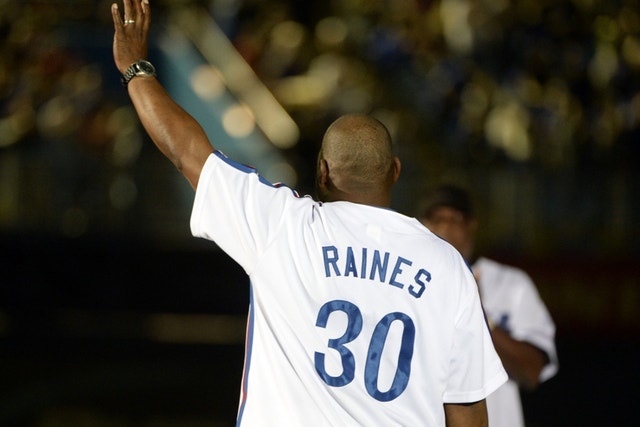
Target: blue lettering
x=350, y=264
x=397, y=270
x=330, y=260
x=377, y=265
x=418, y=279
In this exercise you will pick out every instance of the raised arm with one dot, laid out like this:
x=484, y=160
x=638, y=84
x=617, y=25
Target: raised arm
x=176, y=133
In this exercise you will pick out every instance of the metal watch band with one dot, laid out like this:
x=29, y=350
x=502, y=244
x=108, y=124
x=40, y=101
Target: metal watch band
x=135, y=69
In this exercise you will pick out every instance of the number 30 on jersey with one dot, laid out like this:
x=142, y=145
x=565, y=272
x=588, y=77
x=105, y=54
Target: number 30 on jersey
x=374, y=354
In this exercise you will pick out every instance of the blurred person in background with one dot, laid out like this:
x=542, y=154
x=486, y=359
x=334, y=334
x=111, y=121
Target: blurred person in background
x=522, y=329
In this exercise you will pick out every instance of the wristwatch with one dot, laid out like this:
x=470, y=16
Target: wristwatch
x=138, y=68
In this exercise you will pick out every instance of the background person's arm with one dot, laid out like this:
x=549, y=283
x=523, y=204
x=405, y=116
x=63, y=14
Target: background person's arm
x=522, y=361
x=466, y=414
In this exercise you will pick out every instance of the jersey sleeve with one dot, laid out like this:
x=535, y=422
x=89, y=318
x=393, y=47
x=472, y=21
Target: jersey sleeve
x=475, y=367
x=238, y=209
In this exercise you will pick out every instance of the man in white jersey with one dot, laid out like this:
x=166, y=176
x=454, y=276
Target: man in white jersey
x=522, y=329
x=358, y=316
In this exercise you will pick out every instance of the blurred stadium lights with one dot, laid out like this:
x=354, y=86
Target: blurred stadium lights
x=210, y=80
x=240, y=79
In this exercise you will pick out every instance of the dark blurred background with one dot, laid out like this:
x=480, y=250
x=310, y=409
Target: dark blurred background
x=111, y=314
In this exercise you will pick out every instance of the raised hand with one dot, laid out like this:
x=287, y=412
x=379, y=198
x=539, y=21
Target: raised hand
x=130, y=39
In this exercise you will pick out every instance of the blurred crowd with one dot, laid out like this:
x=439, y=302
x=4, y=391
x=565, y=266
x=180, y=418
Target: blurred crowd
x=519, y=96
x=535, y=80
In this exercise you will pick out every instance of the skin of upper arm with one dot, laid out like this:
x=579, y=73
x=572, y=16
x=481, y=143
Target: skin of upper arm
x=172, y=129
x=466, y=414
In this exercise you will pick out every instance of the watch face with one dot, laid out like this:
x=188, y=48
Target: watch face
x=146, y=67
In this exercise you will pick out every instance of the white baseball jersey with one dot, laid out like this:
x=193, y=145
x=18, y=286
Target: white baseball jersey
x=359, y=316
x=512, y=301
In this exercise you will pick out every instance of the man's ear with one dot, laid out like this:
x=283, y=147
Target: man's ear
x=396, y=170
x=323, y=181
x=323, y=175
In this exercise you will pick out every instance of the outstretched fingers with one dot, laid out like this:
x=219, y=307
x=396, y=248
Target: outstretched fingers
x=131, y=27
x=135, y=12
x=129, y=11
x=146, y=15
x=115, y=14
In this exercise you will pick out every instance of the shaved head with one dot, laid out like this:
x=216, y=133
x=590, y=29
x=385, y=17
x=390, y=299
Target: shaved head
x=357, y=156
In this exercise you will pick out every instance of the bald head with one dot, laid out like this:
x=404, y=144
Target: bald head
x=356, y=161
